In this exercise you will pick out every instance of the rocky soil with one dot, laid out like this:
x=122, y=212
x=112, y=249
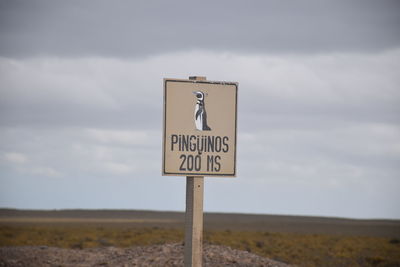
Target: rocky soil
x=157, y=255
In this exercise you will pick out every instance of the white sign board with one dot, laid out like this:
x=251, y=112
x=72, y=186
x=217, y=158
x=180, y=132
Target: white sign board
x=200, y=122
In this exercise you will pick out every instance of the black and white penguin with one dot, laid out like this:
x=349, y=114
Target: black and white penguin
x=200, y=114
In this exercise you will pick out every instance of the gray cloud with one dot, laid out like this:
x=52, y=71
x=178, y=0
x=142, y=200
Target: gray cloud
x=322, y=130
x=141, y=28
x=299, y=91
x=81, y=102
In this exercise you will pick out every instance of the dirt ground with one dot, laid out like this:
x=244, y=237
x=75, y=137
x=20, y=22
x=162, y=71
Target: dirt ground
x=91, y=238
x=157, y=255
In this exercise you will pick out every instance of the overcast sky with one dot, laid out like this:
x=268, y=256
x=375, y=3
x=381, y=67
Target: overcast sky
x=81, y=87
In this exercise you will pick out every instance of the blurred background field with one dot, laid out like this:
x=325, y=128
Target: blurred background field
x=305, y=241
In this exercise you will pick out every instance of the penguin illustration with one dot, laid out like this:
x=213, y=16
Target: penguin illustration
x=200, y=115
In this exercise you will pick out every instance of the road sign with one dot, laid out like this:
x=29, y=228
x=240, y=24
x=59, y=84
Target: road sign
x=200, y=121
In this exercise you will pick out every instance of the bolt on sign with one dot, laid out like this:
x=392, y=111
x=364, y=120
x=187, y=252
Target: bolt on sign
x=200, y=121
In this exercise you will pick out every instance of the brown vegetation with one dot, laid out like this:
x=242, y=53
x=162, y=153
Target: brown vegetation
x=310, y=242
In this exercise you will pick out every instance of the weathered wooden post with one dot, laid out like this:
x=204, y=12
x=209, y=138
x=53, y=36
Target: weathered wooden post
x=194, y=221
x=199, y=139
x=194, y=216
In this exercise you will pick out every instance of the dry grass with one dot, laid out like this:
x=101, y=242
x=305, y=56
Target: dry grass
x=301, y=249
x=314, y=249
x=85, y=236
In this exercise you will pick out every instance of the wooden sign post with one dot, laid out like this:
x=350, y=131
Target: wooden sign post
x=199, y=139
x=194, y=217
x=194, y=221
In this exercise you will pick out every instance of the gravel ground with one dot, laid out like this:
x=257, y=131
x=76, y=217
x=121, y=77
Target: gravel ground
x=158, y=255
